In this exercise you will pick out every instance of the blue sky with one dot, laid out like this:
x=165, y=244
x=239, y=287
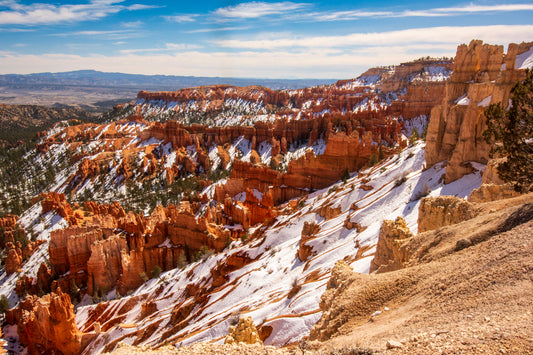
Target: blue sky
x=264, y=39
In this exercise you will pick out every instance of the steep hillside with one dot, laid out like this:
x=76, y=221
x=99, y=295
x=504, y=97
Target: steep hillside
x=453, y=295
x=21, y=122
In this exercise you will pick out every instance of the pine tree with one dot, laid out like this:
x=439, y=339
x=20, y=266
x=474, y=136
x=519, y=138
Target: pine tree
x=510, y=134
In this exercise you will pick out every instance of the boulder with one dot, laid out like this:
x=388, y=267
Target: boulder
x=440, y=211
x=244, y=332
x=492, y=192
x=390, y=255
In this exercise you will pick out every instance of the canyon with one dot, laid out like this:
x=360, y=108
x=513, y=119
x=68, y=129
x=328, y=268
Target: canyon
x=189, y=209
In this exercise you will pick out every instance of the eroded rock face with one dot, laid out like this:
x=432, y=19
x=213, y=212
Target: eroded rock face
x=390, y=255
x=244, y=332
x=7, y=225
x=13, y=258
x=116, y=249
x=482, y=75
x=47, y=324
x=492, y=192
x=54, y=201
x=309, y=230
x=436, y=212
x=341, y=278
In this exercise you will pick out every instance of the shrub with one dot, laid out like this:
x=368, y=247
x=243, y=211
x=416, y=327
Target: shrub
x=143, y=276
x=373, y=159
x=414, y=136
x=400, y=180
x=348, y=350
x=156, y=271
x=345, y=175
x=203, y=253
x=4, y=304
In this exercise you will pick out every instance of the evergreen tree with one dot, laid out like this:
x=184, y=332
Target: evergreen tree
x=510, y=134
x=4, y=304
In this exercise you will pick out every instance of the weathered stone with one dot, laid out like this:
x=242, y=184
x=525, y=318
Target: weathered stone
x=244, y=332
x=440, y=211
x=47, y=324
x=390, y=255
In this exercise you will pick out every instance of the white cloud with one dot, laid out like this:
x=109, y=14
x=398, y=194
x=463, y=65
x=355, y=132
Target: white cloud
x=475, y=8
x=218, y=28
x=182, y=46
x=168, y=47
x=181, y=18
x=326, y=16
x=435, y=35
x=342, y=15
x=142, y=7
x=113, y=34
x=40, y=14
x=315, y=60
x=133, y=24
x=256, y=9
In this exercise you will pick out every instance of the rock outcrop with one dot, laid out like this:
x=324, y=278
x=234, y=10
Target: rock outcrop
x=7, y=229
x=57, y=202
x=309, y=231
x=492, y=192
x=47, y=324
x=390, y=255
x=13, y=258
x=440, y=211
x=482, y=75
x=244, y=332
x=116, y=249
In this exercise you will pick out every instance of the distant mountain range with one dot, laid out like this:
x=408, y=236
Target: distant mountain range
x=98, y=91
x=149, y=82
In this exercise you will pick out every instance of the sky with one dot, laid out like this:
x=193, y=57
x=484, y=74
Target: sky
x=258, y=39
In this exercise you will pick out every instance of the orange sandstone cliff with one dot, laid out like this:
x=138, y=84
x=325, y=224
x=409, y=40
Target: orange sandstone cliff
x=482, y=74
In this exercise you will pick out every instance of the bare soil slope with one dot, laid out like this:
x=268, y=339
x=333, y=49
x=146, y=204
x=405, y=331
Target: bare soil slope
x=468, y=290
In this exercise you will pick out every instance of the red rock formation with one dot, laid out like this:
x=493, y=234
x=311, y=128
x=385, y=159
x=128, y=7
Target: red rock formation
x=13, y=258
x=54, y=201
x=113, y=209
x=104, y=264
x=102, y=258
x=309, y=231
x=483, y=74
x=88, y=169
x=30, y=248
x=47, y=324
x=7, y=229
x=28, y=285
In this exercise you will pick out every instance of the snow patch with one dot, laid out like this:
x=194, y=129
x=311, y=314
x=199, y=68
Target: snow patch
x=463, y=101
x=525, y=60
x=485, y=102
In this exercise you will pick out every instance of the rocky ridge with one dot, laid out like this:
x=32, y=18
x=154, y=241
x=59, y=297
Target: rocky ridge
x=482, y=75
x=442, y=298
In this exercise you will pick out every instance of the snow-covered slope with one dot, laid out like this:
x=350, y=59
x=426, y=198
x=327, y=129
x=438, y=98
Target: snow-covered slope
x=274, y=287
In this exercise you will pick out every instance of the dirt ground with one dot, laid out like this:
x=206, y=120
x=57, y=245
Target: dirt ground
x=469, y=291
